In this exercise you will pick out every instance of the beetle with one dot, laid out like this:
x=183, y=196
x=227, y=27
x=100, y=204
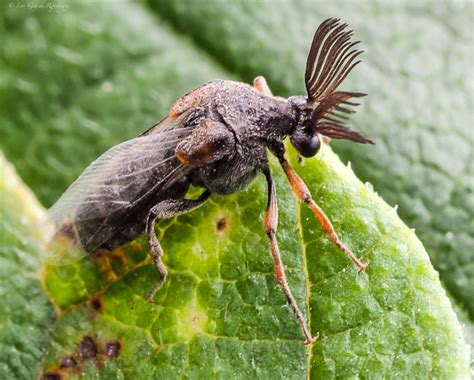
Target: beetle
x=216, y=137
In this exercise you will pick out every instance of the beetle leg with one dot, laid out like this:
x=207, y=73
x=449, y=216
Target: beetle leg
x=260, y=84
x=163, y=210
x=156, y=253
x=302, y=193
x=270, y=223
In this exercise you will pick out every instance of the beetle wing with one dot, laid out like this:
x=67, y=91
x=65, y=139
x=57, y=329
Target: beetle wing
x=118, y=180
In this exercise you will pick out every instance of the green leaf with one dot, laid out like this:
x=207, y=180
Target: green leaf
x=220, y=310
x=220, y=314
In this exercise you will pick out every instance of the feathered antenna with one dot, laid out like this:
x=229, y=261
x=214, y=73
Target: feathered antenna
x=330, y=59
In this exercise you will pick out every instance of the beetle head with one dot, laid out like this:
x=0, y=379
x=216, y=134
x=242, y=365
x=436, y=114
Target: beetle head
x=324, y=110
x=303, y=136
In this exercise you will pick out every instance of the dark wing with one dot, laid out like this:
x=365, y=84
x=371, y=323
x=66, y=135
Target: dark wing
x=119, y=180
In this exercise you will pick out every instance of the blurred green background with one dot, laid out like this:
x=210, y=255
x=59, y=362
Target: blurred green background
x=77, y=77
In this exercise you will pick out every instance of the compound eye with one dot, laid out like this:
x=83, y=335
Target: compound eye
x=306, y=144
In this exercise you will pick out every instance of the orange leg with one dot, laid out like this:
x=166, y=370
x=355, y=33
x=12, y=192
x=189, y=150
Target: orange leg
x=301, y=192
x=261, y=86
x=270, y=223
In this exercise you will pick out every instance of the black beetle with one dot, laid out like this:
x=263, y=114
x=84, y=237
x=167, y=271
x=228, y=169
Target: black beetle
x=216, y=137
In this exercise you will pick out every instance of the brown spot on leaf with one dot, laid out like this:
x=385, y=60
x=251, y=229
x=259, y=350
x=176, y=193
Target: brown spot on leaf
x=118, y=255
x=102, y=258
x=96, y=304
x=112, y=349
x=51, y=376
x=100, y=254
x=221, y=225
x=87, y=348
x=68, y=362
